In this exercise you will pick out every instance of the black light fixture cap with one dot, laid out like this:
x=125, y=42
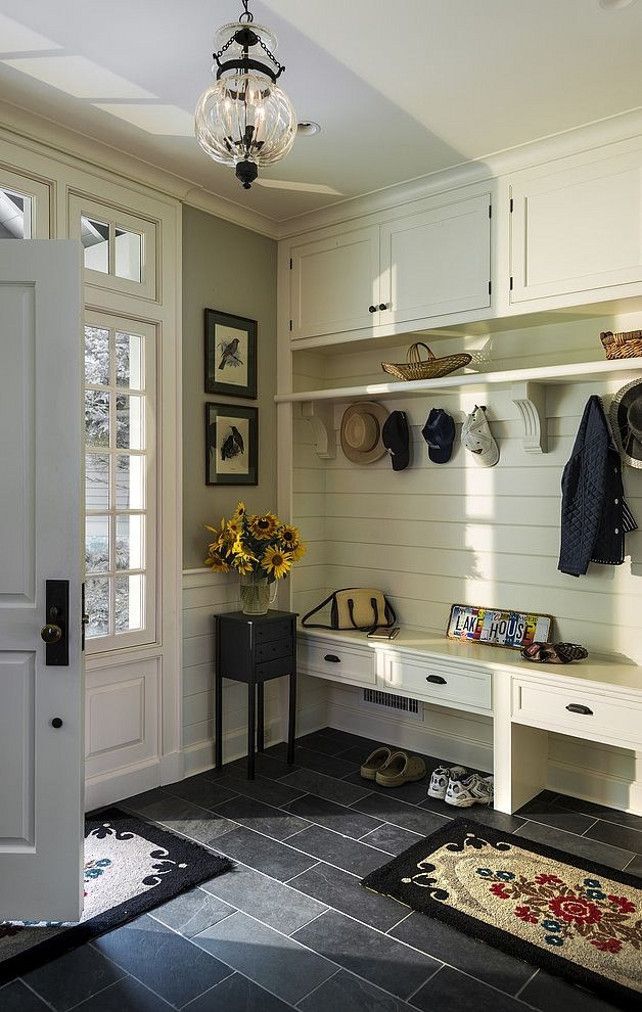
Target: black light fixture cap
x=246, y=173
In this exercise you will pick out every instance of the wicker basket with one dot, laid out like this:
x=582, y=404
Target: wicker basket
x=416, y=368
x=625, y=345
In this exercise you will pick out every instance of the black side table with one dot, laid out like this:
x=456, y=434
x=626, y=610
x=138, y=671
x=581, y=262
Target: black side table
x=254, y=649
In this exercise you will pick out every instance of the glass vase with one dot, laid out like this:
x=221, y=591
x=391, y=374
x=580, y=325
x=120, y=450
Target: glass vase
x=256, y=594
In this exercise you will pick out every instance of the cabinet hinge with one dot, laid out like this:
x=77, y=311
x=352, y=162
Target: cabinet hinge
x=291, y=320
x=511, y=205
x=290, y=263
x=490, y=210
x=511, y=283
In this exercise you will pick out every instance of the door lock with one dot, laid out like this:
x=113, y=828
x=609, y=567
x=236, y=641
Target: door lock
x=51, y=633
x=55, y=632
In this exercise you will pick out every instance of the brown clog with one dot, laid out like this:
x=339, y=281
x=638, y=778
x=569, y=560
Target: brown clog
x=374, y=762
x=400, y=769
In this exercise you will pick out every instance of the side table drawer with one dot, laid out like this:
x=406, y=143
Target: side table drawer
x=459, y=687
x=584, y=713
x=274, y=649
x=279, y=629
x=273, y=669
x=333, y=660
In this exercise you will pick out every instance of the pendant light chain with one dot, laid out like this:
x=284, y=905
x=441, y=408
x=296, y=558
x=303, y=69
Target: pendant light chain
x=246, y=17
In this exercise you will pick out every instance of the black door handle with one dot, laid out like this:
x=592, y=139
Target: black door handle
x=55, y=632
x=437, y=679
x=372, y=309
x=579, y=708
x=332, y=658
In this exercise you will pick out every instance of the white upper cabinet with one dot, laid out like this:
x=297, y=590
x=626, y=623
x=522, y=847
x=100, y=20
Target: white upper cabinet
x=576, y=230
x=437, y=262
x=334, y=283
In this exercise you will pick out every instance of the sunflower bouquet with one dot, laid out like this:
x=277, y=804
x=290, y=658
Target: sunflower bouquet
x=260, y=545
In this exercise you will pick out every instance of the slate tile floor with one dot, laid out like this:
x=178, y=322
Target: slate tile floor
x=291, y=925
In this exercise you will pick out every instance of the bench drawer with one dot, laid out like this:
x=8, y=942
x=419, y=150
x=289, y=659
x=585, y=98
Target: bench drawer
x=580, y=712
x=451, y=685
x=338, y=662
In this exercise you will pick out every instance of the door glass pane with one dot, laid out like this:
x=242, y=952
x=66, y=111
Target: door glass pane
x=129, y=360
x=97, y=606
x=129, y=603
x=129, y=542
x=15, y=215
x=128, y=254
x=97, y=355
x=96, y=418
x=130, y=488
x=96, y=481
x=96, y=544
x=94, y=236
x=129, y=423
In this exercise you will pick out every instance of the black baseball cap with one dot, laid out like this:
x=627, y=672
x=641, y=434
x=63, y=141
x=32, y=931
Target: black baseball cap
x=396, y=439
x=439, y=433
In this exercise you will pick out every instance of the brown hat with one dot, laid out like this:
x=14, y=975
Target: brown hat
x=626, y=422
x=361, y=427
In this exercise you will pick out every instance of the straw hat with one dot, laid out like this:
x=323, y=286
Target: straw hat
x=361, y=427
x=625, y=415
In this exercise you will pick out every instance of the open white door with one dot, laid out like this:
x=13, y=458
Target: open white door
x=41, y=703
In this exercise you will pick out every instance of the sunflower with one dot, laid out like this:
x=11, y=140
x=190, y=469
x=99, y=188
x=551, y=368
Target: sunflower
x=244, y=566
x=234, y=528
x=298, y=552
x=240, y=510
x=220, y=533
x=263, y=526
x=241, y=552
x=289, y=535
x=276, y=562
x=217, y=563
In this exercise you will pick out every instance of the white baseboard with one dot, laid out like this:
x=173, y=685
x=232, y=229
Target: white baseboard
x=595, y=785
x=200, y=756
x=109, y=788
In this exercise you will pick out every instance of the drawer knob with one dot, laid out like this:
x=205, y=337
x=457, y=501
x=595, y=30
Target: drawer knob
x=436, y=679
x=579, y=708
x=332, y=658
x=372, y=309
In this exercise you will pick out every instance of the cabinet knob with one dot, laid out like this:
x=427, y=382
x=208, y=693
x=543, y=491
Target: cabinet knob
x=56, y=722
x=436, y=679
x=372, y=309
x=383, y=305
x=579, y=708
x=332, y=658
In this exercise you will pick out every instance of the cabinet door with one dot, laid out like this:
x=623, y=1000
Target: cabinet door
x=334, y=282
x=577, y=229
x=437, y=262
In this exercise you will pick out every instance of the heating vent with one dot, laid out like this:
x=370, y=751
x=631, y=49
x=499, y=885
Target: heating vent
x=411, y=707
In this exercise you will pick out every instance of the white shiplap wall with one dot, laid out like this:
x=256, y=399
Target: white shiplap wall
x=433, y=535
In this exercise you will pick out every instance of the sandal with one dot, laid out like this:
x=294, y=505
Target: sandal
x=554, y=653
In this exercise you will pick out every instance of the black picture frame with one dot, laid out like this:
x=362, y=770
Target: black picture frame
x=227, y=463
x=230, y=368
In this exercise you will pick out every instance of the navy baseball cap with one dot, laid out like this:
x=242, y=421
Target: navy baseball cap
x=439, y=433
x=396, y=439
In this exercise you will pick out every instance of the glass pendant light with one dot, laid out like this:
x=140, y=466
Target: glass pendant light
x=245, y=119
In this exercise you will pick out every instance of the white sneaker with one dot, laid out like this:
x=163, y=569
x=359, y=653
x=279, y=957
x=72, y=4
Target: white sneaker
x=440, y=779
x=472, y=790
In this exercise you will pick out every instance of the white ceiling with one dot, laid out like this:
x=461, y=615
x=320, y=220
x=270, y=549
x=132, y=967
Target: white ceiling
x=401, y=88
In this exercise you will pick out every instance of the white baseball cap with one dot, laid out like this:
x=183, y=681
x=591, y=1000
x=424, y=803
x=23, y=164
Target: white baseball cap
x=477, y=437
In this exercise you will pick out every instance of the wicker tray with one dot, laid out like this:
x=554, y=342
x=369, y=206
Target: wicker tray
x=416, y=368
x=625, y=345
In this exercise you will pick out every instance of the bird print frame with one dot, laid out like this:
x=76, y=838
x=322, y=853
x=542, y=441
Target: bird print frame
x=231, y=444
x=230, y=355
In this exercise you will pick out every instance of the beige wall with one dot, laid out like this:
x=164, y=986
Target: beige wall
x=232, y=269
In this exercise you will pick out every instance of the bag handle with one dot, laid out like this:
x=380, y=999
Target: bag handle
x=309, y=614
x=364, y=628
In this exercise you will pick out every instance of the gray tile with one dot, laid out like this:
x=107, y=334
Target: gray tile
x=16, y=997
x=163, y=960
x=266, y=855
x=344, y=892
x=346, y=993
x=352, y=856
x=635, y=867
x=390, y=809
x=560, y=818
x=311, y=782
x=485, y=962
x=270, y=792
x=253, y=814
x=269, y=958
x=238, y=994
x=617, y=836
x=72, y=978
x=332, y=816
x=549, y=993
x=192, y=912
x=484, y=814
x=270, y=766
x=450, y=990
x=379, y=958
x=581, y=846
x=600, y=812
x=202, y=791
x=362, y=747
x=126, y=994
x=328, y=743
x=188, y=819
x=264, y=898
x=413, y=794
x=392, y=839
x=140, y=801
x=308, y=759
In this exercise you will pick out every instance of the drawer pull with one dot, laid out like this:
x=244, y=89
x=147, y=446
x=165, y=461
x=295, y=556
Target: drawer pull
x=437, y=679
x=579, y=708
x=332, y=658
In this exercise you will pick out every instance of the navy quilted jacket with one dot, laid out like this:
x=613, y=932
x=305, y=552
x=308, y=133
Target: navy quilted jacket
x=595, y=517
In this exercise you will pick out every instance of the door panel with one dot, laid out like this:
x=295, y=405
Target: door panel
x=41, y=765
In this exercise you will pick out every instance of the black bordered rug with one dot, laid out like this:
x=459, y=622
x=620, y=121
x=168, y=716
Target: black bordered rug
x=130, y=868
x=577, y=919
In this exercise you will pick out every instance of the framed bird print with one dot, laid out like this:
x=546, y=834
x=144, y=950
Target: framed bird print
x=230, y=355
x=231, y=444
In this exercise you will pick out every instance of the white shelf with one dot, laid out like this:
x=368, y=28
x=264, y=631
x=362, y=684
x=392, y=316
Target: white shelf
x=569, y=373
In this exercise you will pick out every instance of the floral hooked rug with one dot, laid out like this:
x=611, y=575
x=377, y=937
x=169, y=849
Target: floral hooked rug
x=570, y=916
x=130, y=868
